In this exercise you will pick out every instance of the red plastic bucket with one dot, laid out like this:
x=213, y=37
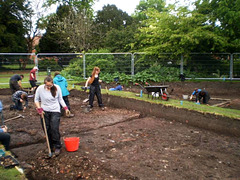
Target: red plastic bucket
x=71, y=143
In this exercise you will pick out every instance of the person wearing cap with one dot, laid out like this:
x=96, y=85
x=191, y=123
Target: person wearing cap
x=32, y=78
x=15, y=82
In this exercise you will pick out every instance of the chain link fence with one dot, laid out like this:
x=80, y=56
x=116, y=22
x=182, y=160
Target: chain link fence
x=16, y=61
x=194, y=66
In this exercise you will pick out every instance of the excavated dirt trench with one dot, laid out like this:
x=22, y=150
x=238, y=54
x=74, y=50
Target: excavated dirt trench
x=129, y=140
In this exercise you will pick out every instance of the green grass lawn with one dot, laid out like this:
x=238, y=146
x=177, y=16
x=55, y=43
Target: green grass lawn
x=4, y=79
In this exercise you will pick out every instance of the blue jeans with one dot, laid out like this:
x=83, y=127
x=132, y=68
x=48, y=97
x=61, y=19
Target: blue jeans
x=52, y=121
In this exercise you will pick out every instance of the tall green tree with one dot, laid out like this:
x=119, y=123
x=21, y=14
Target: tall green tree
x=144, y=5
x=181, y=34
x=13, y=25
x=120, y=40
x=78, y=5
x=54, y=40
x=111, y=20
x=224, y=16
x=69, y=28
x=68, y=31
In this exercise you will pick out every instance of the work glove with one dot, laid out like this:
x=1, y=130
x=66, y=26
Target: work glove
x=40, y=111
x=67, y=111
x=85, y=89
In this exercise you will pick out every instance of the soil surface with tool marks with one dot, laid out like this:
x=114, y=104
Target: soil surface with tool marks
x=126, y=144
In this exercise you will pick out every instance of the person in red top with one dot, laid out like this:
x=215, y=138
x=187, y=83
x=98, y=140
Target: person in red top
x=32, y=78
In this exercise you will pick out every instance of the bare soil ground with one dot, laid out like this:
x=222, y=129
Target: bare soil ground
x=126, y=144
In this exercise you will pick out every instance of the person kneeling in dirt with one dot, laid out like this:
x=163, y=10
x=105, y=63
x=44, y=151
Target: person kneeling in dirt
x=18, y=98
x=203, y=95
x=195, y=93
x=48, y=99
x=95, y=88
x=5, y=137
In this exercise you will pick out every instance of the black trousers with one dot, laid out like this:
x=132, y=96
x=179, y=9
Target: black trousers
x=205, y=98
x=33, y=83
x=65, y=98
x=5, y=140
x=14, y=86
x=18, y=105
x=95, y=90
x=52, y=120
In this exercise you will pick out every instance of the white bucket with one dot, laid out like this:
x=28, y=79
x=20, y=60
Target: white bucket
x=155, y=94
x=185, y=96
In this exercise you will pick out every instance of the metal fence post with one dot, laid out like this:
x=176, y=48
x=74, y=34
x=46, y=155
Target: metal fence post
x=132, y=64
x=36, y=60
x=181, y=65
x=36, y=64
x=231, y=67
x=84, y=67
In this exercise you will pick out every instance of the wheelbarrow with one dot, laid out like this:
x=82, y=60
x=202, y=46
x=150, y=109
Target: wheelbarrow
x=157, y=91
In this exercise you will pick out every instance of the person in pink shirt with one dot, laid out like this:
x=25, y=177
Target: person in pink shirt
x=32, y=78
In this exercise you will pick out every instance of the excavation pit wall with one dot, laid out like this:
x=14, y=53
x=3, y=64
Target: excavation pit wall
x=212, y=122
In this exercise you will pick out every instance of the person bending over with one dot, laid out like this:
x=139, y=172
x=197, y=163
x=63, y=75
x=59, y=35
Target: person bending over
x=15, y=82
x=203, y=95
x=195, y=93
x=18, y=98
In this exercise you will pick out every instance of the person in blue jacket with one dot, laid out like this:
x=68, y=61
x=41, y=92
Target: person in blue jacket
x=118, y=88
x=62, y=82
x=204, y=95
x=195, y=93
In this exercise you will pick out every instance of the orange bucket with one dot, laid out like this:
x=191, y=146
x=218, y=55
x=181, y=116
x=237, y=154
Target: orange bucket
x=71, y=143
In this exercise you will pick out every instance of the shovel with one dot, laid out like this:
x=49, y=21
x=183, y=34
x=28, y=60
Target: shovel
x=45, y=131
x=85, y=89
x=19, y=116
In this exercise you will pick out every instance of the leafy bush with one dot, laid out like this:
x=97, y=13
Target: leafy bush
x=49, y=63
x=74, y=70
x=153, y=74
x=104, y=61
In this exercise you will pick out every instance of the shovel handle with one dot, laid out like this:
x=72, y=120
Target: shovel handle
x=45, y=131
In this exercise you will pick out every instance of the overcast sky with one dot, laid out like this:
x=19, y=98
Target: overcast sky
x=125, y=5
